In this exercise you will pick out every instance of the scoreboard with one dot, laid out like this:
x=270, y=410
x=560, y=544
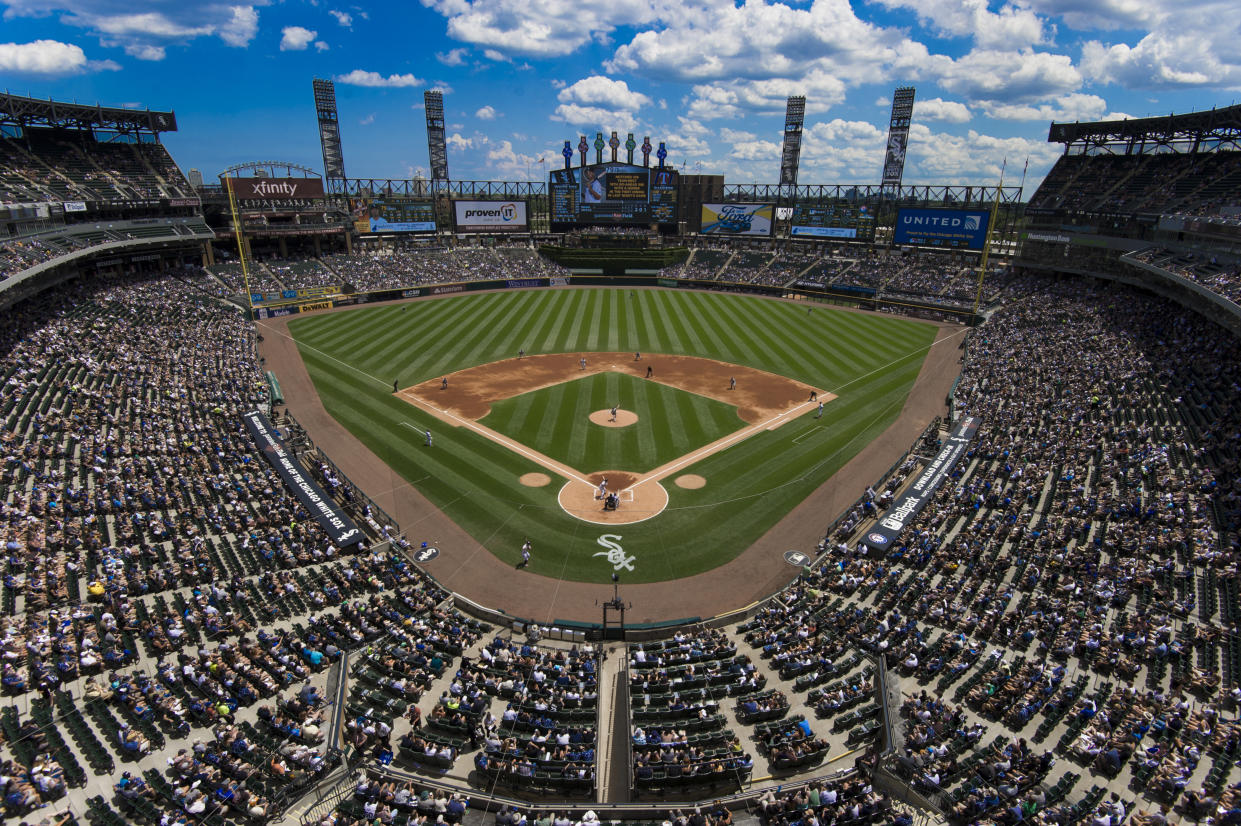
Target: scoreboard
x=846, y=221
x=392, y=213
x=613, y=193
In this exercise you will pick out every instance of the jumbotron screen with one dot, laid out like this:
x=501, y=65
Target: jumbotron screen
x=613, y=193
x=847, y=221
x=392, y=213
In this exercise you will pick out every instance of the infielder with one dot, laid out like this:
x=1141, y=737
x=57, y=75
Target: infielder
x=428, y=438
x=525, y=553
x=732, y=383
x=820, y=413
x=583, y=362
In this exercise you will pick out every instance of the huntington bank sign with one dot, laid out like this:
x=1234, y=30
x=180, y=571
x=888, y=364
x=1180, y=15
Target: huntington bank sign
x=956, y=228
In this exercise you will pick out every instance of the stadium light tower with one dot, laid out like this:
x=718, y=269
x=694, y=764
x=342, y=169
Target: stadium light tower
x=898, y=139
x=794, y=116
x=329, y=134
x=437, y=148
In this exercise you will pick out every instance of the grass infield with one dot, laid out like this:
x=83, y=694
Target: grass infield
x=555, y=421
x=354, y=356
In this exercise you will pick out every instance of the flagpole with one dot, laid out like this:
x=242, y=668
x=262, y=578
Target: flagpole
x=986, y=246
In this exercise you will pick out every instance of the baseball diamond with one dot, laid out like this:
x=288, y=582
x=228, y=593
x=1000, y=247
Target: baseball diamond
x=766, y=466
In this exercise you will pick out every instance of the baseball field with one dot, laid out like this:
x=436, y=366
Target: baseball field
x=714, y=437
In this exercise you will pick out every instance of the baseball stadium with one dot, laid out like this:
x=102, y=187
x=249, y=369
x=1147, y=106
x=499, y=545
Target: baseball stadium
x=621, y=493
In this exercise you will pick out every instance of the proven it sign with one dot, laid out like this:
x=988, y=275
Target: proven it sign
x=490, y=216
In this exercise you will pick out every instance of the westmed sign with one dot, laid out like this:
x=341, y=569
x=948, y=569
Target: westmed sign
x=490, y=216
x=956, y=228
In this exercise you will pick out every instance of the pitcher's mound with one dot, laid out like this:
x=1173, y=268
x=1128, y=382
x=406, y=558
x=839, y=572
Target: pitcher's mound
x=691, y=481
x=624, y=418
x=535, y=480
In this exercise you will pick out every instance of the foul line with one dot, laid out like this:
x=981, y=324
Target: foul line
x=498, y=438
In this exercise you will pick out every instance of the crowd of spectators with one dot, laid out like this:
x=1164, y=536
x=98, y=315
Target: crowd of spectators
x=440, y=266
x=1197, y=183
x=44, y=166
x=1220, y=276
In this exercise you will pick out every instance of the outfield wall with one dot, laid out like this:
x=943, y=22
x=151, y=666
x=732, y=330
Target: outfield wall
x=827, y=295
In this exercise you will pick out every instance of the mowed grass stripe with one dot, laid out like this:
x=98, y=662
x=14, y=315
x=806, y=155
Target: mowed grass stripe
x=749, y=485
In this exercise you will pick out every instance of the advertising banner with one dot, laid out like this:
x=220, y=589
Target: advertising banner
x=490, y=216
x=824, y=232
x=737, y=219
x=75, y=206
x=898, y=136
x=884, y=532
x=277, y=189
x=339, y=527
x=957, y=228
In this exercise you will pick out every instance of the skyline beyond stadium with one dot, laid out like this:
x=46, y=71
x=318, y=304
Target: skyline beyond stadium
x=708, y=78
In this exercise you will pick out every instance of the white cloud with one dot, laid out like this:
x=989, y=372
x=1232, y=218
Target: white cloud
x=361, y=77
x=143, y=26
x=321, y=46
x=596, y=118
x=496, y=55
x=48, y=57
x=736, y=135
x=145, y=51
x=762, y=40
x=950, y=111
x=368, y=120
x=547, y=28
x=883, y=100
x=509, y=164
x=1160, y=60
x=597, y=90
x=241, y=27
x=487, y=113
x=457, y=142
x=1014, y=77
x=1076, y=106
x=756, y=150
x=343, y=18
x=455, y=57
x=1010, y=26
x=296, y=38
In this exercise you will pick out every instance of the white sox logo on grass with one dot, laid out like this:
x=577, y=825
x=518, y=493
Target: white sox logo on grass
x=615, y=553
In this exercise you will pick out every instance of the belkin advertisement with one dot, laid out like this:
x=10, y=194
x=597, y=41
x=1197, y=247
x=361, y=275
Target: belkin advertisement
x=883, y=533
x=737, y=219
x=339, y=527
x=490, y=216
x=956, y=228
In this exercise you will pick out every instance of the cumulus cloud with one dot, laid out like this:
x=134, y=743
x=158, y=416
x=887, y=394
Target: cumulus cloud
x=48, y=57
x=241, y=27
x=454, y=57
x=1012, y=76
x=596, y=118
x=361, y=77
x=597, y=90
x=296, y=38
x=1010, y=26
x=142, y=27
x=456, y=141
x=343, y=18
x=145, y=51
x=551, y=28
x=1076, y=106
x=487, y=113
x=950, y=111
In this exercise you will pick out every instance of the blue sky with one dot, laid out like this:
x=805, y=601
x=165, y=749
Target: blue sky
x=708, y=77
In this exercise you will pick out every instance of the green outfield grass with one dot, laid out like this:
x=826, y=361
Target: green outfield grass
x=555, y=422
x=870, y=361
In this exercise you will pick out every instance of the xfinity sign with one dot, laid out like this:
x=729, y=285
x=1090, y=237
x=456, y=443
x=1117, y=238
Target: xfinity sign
x=277, y=189
x=956, y=228
x=490, y=216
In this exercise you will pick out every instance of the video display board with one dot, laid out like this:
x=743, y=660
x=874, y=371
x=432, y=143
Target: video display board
x=392, y=213
x=613, y=193
x=490, y=216
x=843, y=220
x=955, y=228
x=737, y=219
